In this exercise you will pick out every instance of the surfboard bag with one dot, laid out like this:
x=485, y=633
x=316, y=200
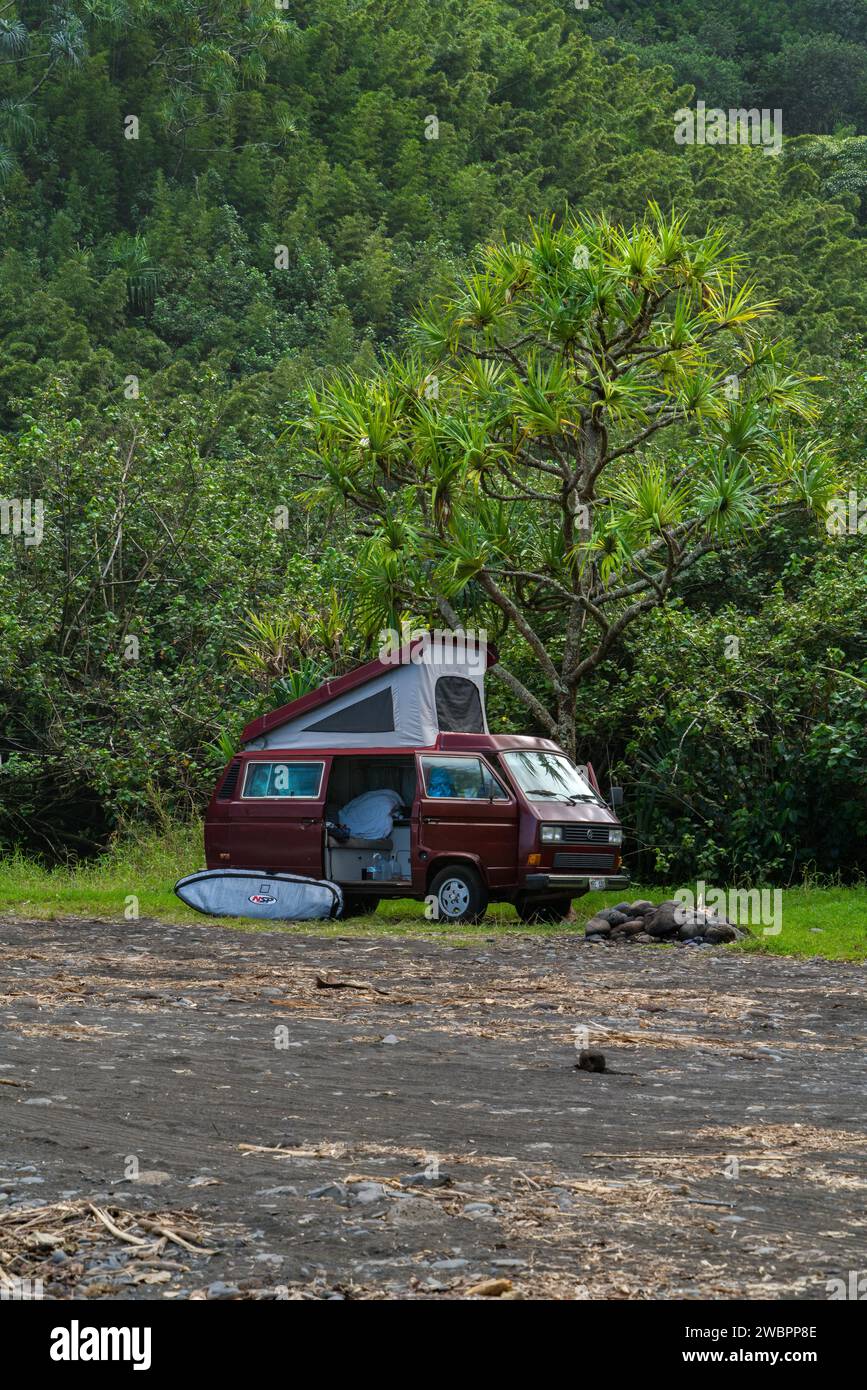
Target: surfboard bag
x=245, y=893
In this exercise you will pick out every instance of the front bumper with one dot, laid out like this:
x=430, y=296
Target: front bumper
x=554, y=883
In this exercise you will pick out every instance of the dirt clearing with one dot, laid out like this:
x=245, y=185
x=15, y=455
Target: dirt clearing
x=194, y=1112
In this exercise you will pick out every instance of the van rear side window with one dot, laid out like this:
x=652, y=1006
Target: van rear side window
x=283, y=779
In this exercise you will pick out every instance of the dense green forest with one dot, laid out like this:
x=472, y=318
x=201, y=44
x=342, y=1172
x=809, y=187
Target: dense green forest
x=808, y=59
x=208, y=209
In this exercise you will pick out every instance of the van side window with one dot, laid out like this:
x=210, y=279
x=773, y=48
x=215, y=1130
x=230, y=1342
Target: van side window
x=465, y=778
x=283, y=779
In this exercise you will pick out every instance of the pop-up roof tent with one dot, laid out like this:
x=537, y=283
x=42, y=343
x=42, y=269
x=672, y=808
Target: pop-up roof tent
x=433, y=685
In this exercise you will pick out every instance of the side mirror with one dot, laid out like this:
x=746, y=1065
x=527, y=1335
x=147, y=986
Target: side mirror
x=616, y=798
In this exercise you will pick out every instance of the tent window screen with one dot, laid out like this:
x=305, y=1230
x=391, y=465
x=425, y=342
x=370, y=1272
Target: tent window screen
x=459, y=709
x=283, y=779
x=375, y=715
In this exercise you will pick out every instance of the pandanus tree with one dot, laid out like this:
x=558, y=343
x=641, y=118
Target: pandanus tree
x=581, y=418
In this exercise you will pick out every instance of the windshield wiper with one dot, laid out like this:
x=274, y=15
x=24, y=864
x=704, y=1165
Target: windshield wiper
x=571, y=797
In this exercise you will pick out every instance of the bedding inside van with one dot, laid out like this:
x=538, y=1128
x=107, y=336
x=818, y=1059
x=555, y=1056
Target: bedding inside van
x=352, y=776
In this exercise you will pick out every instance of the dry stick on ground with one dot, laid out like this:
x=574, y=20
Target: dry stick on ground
x=25, y=1225
x=441, y=1194
x=325, y=981
x=116, y=1231
x=158, y=1227
x=174, y=1237
x=681, y=1158
x=333, y=1151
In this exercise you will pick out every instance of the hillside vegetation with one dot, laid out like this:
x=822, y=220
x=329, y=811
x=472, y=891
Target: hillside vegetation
x=208, y=207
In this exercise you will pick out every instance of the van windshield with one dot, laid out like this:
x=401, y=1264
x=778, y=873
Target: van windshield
x=549, y=777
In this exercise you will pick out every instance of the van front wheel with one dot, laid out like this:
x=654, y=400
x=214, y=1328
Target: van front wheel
x=459, y=894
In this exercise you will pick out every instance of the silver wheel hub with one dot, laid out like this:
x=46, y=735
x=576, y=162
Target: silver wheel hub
x=454, y=897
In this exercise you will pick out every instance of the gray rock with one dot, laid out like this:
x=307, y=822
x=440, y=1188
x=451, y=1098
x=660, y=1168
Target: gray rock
x=590, y=1059
x=426, y=1180
x=639, y=908
x=720, y=931
x=478, y=1209
x=665, y=921
x=597, y=926
x=363, y=1193
x=690, y=929
x=337, y=1191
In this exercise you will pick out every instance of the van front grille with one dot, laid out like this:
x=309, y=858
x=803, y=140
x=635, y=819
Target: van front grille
x=590, y=863
x=585, y=834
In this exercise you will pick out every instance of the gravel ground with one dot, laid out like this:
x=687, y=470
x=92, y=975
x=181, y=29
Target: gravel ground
x=194, y=1112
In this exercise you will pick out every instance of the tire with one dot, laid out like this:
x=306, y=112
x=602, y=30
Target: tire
x=460, y=894
x=359, y=905
x=555, y=910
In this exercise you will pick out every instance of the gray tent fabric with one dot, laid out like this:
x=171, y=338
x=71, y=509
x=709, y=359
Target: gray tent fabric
x=245, y=893
x=353, y=719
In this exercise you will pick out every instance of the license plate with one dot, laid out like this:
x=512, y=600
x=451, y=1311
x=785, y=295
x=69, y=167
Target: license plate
x=597, y=885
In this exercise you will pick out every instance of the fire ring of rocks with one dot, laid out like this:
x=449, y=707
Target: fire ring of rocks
x=646, y=924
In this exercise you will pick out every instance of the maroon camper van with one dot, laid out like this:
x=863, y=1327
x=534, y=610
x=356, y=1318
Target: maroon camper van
x=479, y=817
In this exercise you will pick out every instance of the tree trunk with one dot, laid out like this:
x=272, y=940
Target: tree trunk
x=566, y=733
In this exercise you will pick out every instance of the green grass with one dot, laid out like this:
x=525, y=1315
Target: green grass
x=828, y=922
x=143, y=865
